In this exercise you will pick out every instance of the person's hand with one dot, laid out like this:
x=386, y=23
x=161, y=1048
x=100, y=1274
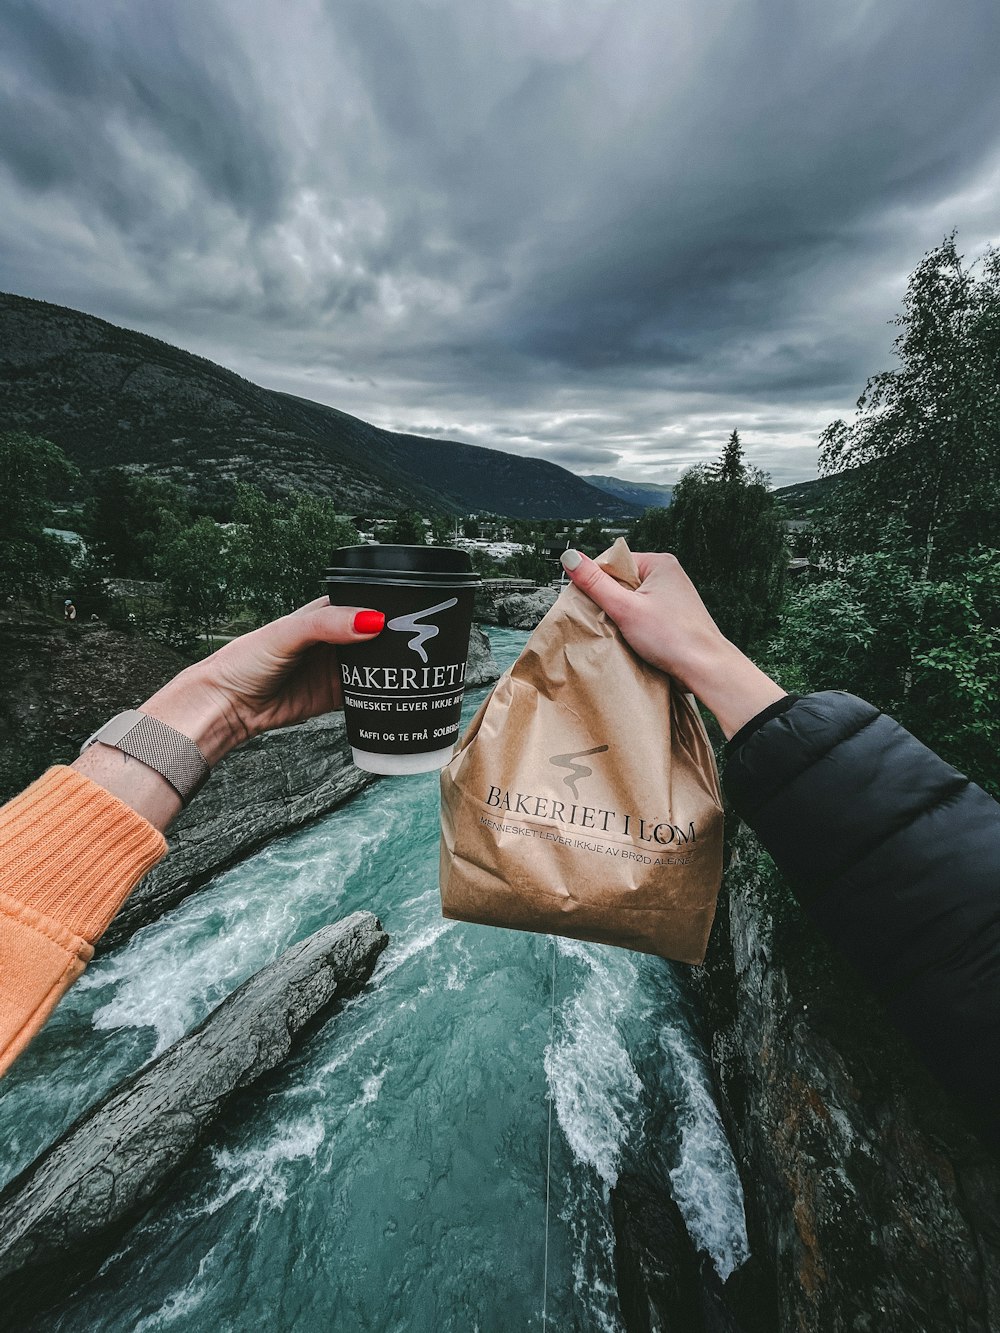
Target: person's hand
x=282, y=673
x=668, y=625
x=664, y=620
x=277, y=675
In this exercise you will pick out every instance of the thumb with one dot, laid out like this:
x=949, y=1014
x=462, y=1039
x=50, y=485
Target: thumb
x=321, y=623
x=601, y=588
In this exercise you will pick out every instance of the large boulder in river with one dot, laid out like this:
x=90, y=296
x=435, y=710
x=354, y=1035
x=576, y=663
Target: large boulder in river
x=270, y=786
x=61, y=1217
x=483, y=668
x=656, y=1267
x=664, y=1284
x=524, y=610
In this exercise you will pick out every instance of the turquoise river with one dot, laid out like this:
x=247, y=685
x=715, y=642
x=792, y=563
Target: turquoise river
x=392, y=1175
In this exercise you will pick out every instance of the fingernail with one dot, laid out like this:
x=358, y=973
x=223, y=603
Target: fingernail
x=368, y=622
x=570, y=559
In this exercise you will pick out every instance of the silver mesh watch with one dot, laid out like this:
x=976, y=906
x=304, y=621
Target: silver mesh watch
x=160, y=747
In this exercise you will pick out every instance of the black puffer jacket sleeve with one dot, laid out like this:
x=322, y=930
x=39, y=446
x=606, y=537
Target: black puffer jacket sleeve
x=896, y=857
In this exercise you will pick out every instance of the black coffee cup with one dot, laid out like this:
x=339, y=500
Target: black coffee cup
x=403, y=690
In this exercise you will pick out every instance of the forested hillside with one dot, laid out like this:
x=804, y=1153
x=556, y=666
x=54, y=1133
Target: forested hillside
x=108, y=396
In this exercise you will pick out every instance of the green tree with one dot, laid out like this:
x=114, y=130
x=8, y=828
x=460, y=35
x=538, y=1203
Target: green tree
x=197, y=573
x=471, y=528
x=921, y=461
x=927, y=651
x=33, y=472
x=725, y=528
x=124, y=520
x=591, y=538
x=278, y=549
x=257, y=554
x=484, y=564
x=528, y=565
x=408, y=529
x=731, y=466
x=442, y=529
x=312, y=531
x=651, y=531
x=905, y=609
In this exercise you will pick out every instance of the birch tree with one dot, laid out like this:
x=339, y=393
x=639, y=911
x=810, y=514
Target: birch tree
x=921, y=459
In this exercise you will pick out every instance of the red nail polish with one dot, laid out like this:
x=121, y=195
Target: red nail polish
x=368, y=622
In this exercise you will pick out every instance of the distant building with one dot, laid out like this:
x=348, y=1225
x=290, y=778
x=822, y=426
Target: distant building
x=70, y=538
x=496, y=550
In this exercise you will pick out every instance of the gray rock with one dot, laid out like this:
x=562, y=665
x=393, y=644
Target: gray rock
x=117, y=587
x=866, y=1188
x=483, y=668
x=656, y=1267
x=270, y=786
x=666, y=1286
x=524, y=610
x=489, y=590
x=63, y=1214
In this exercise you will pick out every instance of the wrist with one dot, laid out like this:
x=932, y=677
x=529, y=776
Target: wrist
x=194, y=707
x=732, y=687
x=199, y=710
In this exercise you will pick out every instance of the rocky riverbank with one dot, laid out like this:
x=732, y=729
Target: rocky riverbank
x=867, y=1191
x=664, y=1284
x=63, y=1215
x=482, y=668
x=514, y=610
x=59, y=683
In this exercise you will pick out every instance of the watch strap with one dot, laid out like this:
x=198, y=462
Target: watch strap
x=159, y=746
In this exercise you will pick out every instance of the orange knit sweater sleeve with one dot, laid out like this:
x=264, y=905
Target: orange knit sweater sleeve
x=70, y=854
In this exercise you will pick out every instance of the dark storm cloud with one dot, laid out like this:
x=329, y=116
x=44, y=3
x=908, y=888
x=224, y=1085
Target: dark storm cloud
x=180, y=86
x=604, y=233
x=791, y=151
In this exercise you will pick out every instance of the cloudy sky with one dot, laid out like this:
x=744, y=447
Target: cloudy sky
x=600, y=231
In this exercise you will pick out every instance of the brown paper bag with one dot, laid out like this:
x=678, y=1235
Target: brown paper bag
x=584, y=799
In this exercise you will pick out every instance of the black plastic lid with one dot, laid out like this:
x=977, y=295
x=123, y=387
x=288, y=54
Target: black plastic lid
x=402, y=564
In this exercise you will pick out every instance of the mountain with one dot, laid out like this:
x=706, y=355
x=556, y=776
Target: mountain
x=109, y=396
x=806, y=499
x=643, y=494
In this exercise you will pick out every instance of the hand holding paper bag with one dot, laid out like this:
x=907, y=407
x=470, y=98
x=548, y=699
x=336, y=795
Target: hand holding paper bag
x=584, y=799
x=668, y=625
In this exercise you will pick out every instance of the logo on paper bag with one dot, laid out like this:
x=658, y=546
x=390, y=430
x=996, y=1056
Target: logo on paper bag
x=421, y=633
x=576, y=771
x=645, y=828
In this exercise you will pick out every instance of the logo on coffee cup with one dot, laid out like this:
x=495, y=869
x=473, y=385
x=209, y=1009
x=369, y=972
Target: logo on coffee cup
x=577, y=771
x=421, y=633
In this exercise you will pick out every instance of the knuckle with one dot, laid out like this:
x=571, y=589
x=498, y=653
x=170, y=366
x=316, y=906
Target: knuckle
x=317, y=623
x=663, y=562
